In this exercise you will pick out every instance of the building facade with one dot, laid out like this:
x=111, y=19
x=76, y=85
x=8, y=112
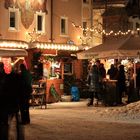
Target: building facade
x=51, y=19
x=45, y=21
x=43, y=29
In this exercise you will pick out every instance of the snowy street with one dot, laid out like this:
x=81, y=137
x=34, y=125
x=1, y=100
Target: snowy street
x=76, y=121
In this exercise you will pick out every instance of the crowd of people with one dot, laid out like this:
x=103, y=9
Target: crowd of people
x=96, y=81
x=15, y=91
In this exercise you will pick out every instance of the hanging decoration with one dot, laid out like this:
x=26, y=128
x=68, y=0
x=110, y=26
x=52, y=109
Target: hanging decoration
x=7, y=64
x=34, y=35
x=104, y=32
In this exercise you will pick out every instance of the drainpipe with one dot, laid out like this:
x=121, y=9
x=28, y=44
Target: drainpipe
x=91, y=19
x=105, y=21
x=106, y=6
x=91, y=12
x=51, y=21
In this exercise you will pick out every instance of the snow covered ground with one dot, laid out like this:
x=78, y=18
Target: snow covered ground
x=128, y=113
x=76, y=121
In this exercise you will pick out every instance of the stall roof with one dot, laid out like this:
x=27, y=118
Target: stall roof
x=13, y=44
x=114, y=48
x=13, y=52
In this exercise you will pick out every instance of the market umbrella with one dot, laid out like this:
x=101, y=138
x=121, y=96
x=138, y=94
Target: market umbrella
x=128, y=47
x=114, y=48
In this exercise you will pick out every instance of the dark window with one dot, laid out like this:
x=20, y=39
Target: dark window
x=67, y=68
x=39, y=21
x=12, y=19
x=63, y=26
x=84, y=26
x=85, y=1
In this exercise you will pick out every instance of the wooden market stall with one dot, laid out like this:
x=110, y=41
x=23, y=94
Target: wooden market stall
x=53, y=65
x=12, y=51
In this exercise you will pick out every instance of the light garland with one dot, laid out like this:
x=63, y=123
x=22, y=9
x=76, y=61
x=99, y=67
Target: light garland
x=13, y=44
x=103, y=32
x=56, y=46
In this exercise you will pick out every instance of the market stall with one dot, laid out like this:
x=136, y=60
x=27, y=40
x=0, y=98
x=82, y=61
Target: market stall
x=52, y=62
x=116, y=48
x=11, y=52
x=123, y=48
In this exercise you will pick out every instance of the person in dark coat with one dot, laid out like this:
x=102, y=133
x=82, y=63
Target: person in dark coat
x=13, y=91
x=3, y=107
x=9, y=101
x=26, y=90
x=102, y=71
x=138, y=82
x=112, y=72
x=93, y=81
x=121, y=85
x=102, y=74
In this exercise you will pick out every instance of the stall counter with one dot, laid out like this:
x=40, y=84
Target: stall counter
x=58, y=87
x=111, y=92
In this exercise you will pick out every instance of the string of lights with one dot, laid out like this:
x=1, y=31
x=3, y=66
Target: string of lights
x=104, y=32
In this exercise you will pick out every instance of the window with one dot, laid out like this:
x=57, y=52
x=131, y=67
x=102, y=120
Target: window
x=40, y=22
x=13, y=19
x=84, y=26
x=85, y=1
x=64, y=26
x=68, y=68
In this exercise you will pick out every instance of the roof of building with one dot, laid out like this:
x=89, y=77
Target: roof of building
x=112, y=11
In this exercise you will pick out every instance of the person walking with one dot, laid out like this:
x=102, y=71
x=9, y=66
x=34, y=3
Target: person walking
x=93, y=81
x=26, y=90
x=13, y=87
x=9, y=103
x=3, y=106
